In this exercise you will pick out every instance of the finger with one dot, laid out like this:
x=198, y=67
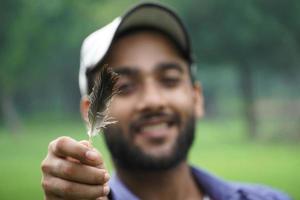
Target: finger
x=46, y=185
x=88, y=144
x=78, y=172
x=68, y=147
x=53, y=197
x=102, y=198
x=72, y=160
x=72, y=190
x=85, y=143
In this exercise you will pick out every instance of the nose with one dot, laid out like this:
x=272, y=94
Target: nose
x=151, y=97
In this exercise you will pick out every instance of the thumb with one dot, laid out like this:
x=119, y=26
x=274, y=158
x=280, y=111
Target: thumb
x=87, y=144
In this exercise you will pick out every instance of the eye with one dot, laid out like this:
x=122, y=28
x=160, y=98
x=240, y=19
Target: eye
x=170, y=81
x=126, y=87
x=170, y=78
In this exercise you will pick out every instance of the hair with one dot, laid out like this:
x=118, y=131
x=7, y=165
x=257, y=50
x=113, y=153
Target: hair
x=181, y=52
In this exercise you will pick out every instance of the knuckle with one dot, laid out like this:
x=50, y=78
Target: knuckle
x=101, y=178
x=96, y=192
x=67, y=170
x=104, y=177
x=104, y=190
x=61, y=142
x=45, y=166
x=45, y=184
x=51, y=144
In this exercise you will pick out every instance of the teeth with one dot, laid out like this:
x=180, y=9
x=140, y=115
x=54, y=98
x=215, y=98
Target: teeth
x=154, y=127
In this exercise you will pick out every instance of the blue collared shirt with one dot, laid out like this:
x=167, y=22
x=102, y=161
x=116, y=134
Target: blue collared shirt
x=213, y=187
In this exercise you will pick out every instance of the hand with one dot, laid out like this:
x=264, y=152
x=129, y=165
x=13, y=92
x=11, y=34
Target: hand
x=73, y=170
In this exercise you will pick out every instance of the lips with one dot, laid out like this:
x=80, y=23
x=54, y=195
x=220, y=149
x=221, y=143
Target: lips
x=154, y=131
x=154, y=127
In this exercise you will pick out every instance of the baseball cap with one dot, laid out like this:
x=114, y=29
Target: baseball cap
x=96, y=45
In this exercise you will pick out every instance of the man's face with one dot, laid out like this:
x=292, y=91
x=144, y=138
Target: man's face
x=157, y=107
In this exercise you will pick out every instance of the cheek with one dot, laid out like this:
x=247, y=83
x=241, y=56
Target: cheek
x=182, y=100
x=120, y=110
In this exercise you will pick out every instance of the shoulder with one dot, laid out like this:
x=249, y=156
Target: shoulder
x=218, y=188
x=258, y=192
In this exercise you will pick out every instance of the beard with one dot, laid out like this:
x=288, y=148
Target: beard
x=130, y=157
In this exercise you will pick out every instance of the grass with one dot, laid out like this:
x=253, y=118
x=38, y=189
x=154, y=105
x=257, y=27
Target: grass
x=219, y=148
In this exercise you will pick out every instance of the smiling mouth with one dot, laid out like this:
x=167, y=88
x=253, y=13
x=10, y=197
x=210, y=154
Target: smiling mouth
x=154, y=127
x=153, y=123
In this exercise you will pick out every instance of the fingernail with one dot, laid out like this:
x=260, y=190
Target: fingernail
x=106, y=177
x=91, y=155
x=106, y=190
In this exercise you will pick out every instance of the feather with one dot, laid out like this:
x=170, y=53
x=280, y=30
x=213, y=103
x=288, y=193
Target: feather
x=103, y=91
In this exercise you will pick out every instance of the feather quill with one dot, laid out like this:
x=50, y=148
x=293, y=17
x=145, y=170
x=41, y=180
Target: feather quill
x=103, y=91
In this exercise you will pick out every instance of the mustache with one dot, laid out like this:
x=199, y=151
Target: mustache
x=170, y=118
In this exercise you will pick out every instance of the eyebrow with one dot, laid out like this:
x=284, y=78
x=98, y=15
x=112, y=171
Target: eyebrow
x=125, y=70
x=161, y=67
x=169, y=66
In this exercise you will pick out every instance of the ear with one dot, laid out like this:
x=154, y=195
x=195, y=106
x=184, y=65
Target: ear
x=84, y=107
x=199, y=100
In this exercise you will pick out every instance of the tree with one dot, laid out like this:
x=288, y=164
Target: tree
x=247, y=34
x=39, y=56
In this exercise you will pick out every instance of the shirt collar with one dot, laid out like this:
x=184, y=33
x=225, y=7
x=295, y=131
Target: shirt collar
x=212, y=186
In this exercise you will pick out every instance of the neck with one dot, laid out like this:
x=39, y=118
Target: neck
x=175, y=183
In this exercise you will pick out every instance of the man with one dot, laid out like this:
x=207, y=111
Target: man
x=156, y=112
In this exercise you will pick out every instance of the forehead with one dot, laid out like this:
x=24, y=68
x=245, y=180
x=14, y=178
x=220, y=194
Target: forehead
x=143, y=49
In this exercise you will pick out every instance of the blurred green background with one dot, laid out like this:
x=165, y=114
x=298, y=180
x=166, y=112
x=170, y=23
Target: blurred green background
x=248, y=55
